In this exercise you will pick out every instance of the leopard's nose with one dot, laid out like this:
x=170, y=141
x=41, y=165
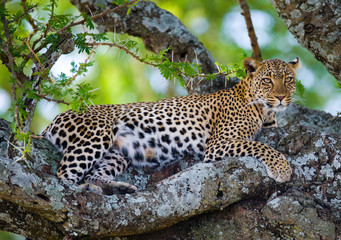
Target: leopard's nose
x=280, y=98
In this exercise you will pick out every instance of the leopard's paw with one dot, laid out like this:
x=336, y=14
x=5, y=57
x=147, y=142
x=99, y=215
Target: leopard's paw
x=91, y=187
x=279, y=170
x=284, y=174
x=111, y=187
x=121, y=187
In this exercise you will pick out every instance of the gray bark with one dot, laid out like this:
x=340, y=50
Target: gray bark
x=237, y=190
x=317, y=26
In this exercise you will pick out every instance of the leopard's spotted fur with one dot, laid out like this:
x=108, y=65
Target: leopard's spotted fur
x=103, y=141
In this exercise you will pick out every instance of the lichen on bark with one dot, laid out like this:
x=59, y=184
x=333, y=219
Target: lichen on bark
x=317, y=26
x=236, y=185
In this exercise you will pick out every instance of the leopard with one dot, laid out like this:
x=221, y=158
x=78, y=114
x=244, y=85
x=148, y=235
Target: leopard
x=100, y=143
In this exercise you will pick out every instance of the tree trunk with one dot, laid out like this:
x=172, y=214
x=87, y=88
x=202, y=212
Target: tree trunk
x=317, y=26
x=230, y=199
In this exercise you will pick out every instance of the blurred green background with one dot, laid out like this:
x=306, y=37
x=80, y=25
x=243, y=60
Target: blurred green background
x=220, y=27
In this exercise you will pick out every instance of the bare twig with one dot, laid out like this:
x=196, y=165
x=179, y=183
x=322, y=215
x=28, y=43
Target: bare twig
x=49, y=22
x=253, y=38
x=41, y=65
x=338, y=114
x=122, y=47
x=35, y=55
x=44, y=96
x=30, y=21
x=80, y=69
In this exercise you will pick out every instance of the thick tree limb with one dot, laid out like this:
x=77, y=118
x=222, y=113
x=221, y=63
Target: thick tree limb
x=317, y=26
x=65, y=210
x=314, y=152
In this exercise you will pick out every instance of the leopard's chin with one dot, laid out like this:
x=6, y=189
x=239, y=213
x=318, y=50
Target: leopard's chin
x=277, y=108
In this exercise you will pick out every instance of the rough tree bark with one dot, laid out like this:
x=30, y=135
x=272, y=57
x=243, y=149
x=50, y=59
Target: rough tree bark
x=245, y=201
x=317, y=26
x=224, y=200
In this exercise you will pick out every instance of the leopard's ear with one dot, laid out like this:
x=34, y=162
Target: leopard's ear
x=250, y=64
x=295, y=64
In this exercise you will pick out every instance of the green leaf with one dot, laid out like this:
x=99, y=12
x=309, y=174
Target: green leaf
x=299, y=88
x=129, y=9
x=338, y=85
x=88, y=21
x=119, y=2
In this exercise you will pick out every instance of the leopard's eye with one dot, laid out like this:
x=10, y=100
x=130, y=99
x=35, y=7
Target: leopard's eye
x=266, y=80
x=289, y=79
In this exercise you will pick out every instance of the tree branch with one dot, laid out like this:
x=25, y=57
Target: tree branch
x=313, y=150
x=159, y=30
x=256, y=53
x=43, y=96
x=317, y=26
x=74, y=213
x=153, y=64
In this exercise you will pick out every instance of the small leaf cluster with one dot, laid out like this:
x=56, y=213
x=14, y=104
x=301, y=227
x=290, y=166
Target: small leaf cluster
x=183, y=71
x=81, y=40
x=299, y=88
x=178, y=70
x=298, y=96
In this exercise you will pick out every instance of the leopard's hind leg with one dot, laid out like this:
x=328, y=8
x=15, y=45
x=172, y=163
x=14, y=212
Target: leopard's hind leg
x=104, y=172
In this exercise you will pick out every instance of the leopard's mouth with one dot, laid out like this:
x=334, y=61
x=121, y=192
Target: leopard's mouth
x=277, y=107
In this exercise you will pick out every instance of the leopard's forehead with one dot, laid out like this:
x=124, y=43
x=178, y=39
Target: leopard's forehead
x=275, y=68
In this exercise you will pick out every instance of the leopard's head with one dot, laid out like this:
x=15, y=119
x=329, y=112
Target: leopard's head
x=272, y=81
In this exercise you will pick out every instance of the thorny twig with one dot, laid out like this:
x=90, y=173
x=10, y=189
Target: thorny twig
x=72, y=24
x=126, y=50
x=27, y=10
x=35, y=55
x=44, y=96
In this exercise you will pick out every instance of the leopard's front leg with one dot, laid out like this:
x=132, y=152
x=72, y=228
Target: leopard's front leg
x=276, y=164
